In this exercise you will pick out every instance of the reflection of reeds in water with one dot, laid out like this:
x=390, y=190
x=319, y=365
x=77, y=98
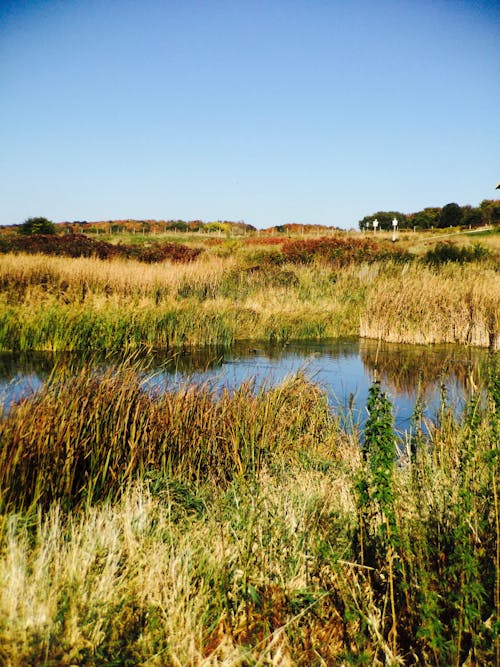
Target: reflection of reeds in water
x=406, y=368
x=39, y=364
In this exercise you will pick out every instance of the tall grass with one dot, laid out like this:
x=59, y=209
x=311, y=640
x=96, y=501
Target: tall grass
x=189, y=528
x=454, y=304
x=78, y=304
x=83, y=438
x=59, y=303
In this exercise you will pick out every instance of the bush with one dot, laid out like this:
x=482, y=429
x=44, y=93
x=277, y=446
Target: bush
x=37, y=226
x=175, y=252
x=72, y=245
x=446, y=251
x=338, y=251
x=80, y=245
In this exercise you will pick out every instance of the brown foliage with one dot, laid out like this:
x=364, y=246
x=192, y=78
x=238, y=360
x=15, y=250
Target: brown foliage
x=80, y=245
x=337, y=250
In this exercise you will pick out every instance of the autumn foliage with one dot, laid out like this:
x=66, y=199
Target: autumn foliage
x=337, y=251
x=80, y=245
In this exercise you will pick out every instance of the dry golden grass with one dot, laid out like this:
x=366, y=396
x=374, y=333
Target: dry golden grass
x=231, y=530
x=125, y=277
x=454, y=304
x=140, y=582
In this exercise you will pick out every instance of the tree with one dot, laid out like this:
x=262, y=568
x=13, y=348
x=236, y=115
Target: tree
x=37, y=226
x=472, y=216
x=451, y=215
x=385, y=219
x=179, y=225
x=490, y=211
x=422, y=220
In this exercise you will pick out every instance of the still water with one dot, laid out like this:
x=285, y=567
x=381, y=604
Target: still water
x=345, y=369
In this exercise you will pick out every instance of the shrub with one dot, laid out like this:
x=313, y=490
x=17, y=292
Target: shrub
x=37, y=226
x=175, y=252
x=337, y=251
x=80, y=245
x=71, y=245
x=447, y=251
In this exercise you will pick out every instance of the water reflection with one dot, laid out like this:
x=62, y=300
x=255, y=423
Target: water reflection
x=404, y=368
x=344, y=368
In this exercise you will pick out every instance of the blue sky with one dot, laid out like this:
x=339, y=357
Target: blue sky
x=265, y=111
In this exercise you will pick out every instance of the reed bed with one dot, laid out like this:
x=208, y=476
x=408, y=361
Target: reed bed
x=189, y=528
x=452, y=304
x=85, y=437
x=86, y=304
x=23, y=277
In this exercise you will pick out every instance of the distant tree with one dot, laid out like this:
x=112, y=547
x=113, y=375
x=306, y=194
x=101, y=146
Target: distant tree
x=422, y=220
x=214, y=227
x=37, y=226
x=490, y=211
x=451, y=215
x=385, y=219
x=471, y=216
x=180, y=225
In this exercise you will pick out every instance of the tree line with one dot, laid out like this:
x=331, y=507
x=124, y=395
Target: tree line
x=450, y=215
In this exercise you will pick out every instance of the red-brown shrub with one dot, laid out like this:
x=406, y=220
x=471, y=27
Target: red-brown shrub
x=339, y=251
x=79, y=245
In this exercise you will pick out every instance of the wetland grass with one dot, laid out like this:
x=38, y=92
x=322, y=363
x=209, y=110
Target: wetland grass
x=189, y=528
x=60, y=303
x=199, y=528
x=84, y=437
x=452, y=304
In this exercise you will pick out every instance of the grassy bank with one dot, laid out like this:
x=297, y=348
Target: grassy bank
x=189, y=528
x=235, y=292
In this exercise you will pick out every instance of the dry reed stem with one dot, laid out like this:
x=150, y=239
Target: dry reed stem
x=421, y=305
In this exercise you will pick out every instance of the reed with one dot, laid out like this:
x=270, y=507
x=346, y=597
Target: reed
x=200, y=529
x=56, y=303
x=453, y=304
x=83, y=438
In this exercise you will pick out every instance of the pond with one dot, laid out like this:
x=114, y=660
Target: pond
x=345, y=369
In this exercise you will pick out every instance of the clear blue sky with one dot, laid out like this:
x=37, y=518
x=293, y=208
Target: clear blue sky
x=268, y=111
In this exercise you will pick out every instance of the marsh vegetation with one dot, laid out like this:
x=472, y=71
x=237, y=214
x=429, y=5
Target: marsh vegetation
x=189, y=526
x=245, y=528
x=267, y=289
